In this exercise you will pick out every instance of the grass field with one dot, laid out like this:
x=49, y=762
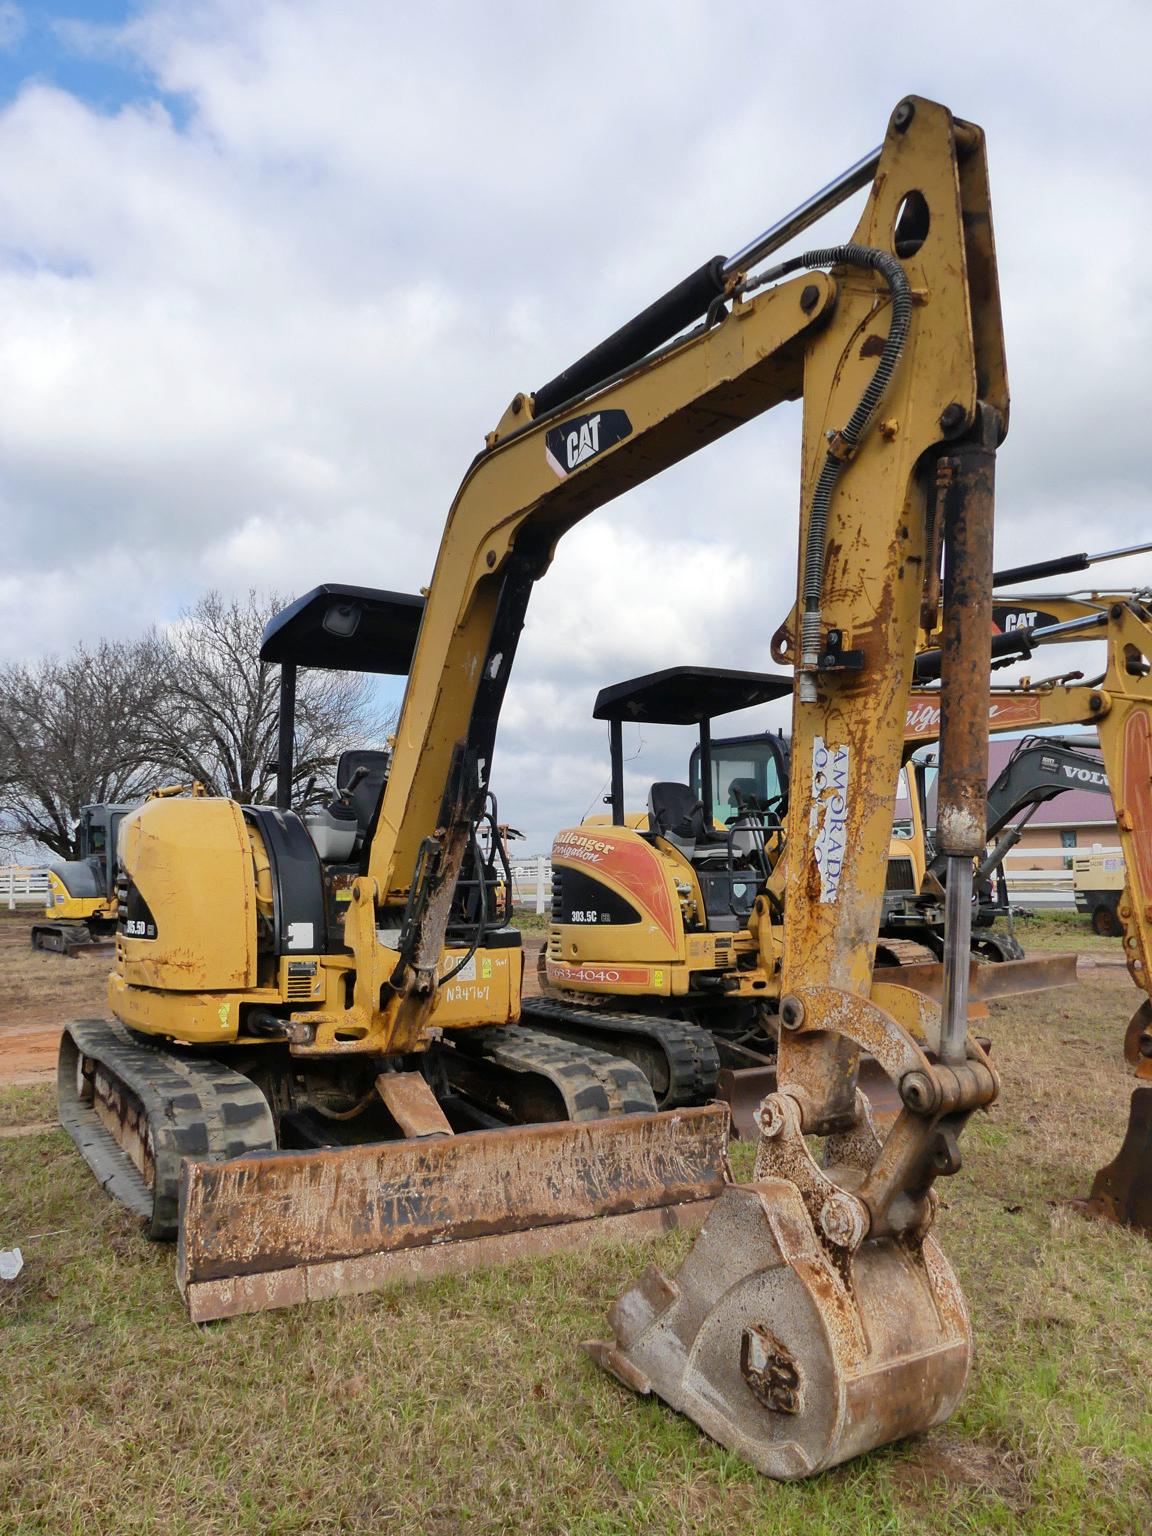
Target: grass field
x=466, y=1404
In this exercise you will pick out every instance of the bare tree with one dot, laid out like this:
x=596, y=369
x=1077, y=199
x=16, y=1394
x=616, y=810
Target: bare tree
x=72, y=733
x=219, y=721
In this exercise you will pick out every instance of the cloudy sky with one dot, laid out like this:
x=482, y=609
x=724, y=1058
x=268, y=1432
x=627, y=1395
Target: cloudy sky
x=269, y=269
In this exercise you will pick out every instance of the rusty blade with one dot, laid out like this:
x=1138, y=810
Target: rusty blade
x=284, y=1215
x=744, y=1088
x=412, y=1104
x=1122, y=1189
x=987, y=981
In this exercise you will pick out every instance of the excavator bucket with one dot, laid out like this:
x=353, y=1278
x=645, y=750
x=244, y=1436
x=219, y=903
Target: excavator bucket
x=274, y=1229
x=787, y=1358
x=1122, y=1189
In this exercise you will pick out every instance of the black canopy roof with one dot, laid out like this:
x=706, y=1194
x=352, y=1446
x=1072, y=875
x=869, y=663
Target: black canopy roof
x=350, y=629
x=687, y=695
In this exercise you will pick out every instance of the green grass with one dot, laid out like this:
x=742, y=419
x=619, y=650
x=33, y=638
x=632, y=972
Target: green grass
x=1062, y=930
x=467, y=1405
x=529, y=921
x=27, y=1106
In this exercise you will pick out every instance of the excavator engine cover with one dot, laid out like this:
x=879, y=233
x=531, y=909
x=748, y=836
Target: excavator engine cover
x=782, y=1350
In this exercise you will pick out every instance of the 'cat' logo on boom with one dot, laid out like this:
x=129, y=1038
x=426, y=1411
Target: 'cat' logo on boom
x=568, y=446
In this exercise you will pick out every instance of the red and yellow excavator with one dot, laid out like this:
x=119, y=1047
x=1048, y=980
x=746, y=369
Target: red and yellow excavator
x=816, y=1315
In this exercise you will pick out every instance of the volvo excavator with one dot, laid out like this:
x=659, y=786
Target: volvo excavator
x=816, y=1315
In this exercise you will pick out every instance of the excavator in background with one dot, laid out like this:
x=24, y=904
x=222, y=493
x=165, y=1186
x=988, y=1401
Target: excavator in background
x=816, y=1316
x=1118, y=705
x=652, y=911
x=81, y=910
x=1039, y=769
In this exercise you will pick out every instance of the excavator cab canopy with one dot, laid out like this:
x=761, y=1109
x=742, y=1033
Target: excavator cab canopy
x=344, y=629
x=347, y=629
x=681, y=696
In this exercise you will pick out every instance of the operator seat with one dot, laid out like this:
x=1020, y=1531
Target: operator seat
x=675, y=812
x=365, y=794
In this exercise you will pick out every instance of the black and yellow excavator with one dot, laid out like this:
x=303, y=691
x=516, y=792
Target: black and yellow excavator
x=816, y=1316
x=81, y=906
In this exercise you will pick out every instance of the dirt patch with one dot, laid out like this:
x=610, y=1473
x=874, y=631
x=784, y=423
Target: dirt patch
x=962, y=1465
x=533, y=944
x=40, y=992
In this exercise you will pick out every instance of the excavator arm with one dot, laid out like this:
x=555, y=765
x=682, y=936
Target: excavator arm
x=815, y=1314
x=892, y=357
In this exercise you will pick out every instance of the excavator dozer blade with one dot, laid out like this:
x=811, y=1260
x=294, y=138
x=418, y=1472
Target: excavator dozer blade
x=273, y=1229
x=1122, y=1189
x=1006, y=978
x=781, y=1357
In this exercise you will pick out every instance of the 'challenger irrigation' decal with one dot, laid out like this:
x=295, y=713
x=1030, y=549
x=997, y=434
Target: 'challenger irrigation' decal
x=828, y=818
x=573, y=443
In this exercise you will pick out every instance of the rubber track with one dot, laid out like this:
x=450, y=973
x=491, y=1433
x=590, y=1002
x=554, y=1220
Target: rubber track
x=194, y=1108
x=592, y=1083
x=692, y=1060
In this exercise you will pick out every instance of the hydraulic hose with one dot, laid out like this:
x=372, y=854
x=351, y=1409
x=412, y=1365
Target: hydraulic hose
x=849, y=437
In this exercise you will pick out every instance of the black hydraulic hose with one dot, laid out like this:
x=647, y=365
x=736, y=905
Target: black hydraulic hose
x=849, y=436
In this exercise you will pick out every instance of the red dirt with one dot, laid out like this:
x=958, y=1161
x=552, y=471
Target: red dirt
x=65, y=989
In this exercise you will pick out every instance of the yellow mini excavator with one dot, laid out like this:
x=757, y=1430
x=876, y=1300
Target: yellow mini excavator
x=816, y=1315
x=81, y=907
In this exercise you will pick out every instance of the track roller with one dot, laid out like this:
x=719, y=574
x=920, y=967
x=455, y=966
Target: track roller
x=135, y=1110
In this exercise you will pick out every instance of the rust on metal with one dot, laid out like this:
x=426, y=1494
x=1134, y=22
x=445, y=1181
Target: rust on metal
x=412, y=1104
x=986, y=981
x=238, y=1295
x=743, y=1089
x=771, y=1371
x=280, y=1212
x=966, y=481
x=779, y=1354
x=121, y=1115
x=1122, y=1189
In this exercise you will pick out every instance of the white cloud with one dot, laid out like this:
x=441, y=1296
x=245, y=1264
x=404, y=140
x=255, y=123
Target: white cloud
x=256, y=341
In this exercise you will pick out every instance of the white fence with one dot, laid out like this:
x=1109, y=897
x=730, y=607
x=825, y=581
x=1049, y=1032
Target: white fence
x=22, y=887
x=532, y=881
x=532, y=878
